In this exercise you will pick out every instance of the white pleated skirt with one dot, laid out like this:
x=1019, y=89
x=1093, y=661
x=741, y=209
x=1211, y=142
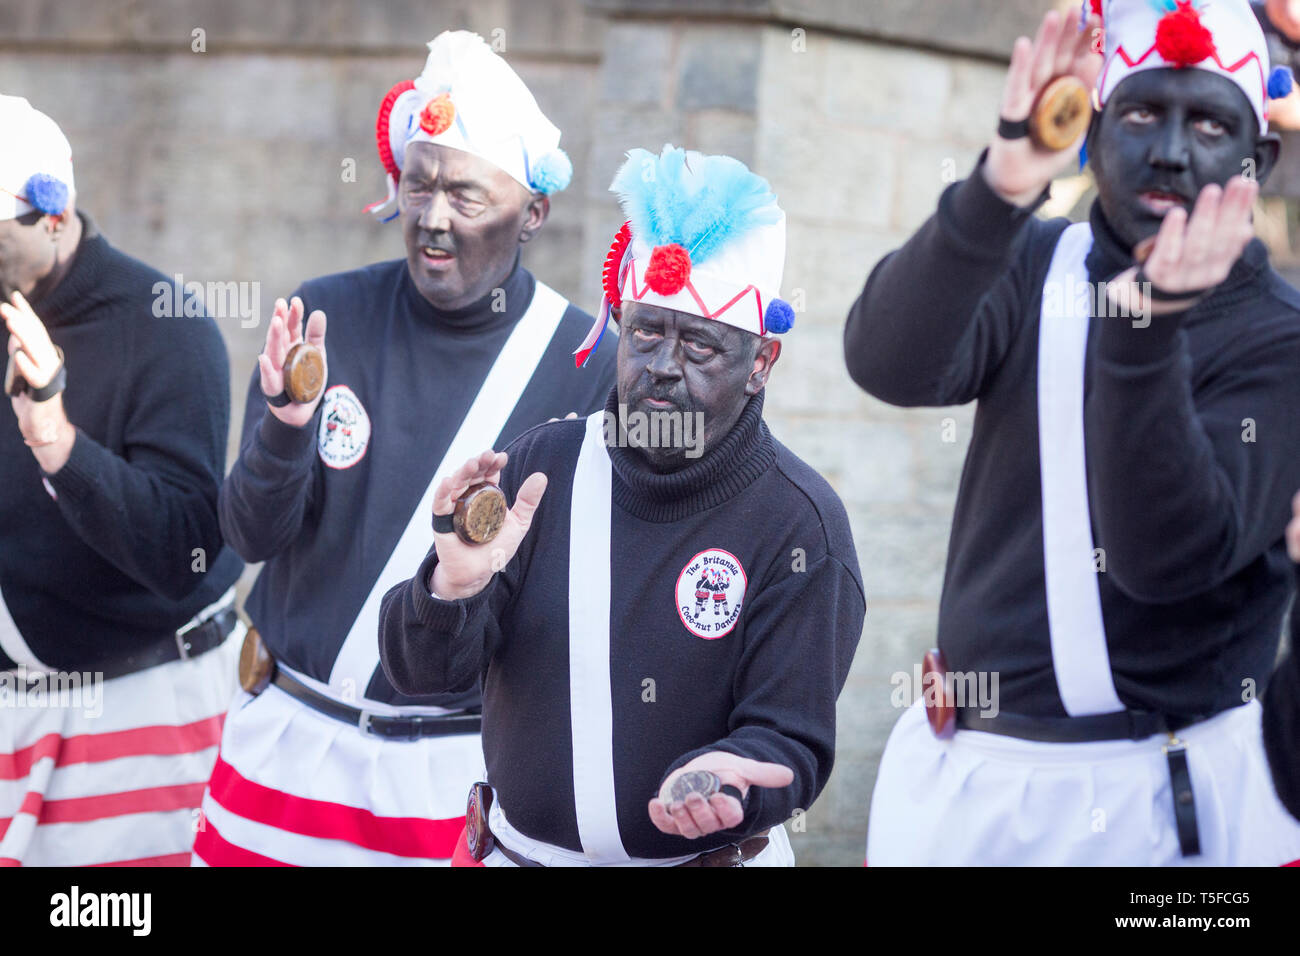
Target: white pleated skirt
x=985, y=799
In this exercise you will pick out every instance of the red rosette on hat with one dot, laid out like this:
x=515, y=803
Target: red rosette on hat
x=437, y=116
x=1182, y=40
x=381, y=128
x=614, y=262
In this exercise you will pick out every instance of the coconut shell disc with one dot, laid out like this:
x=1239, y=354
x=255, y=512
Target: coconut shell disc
x=256, y=667
x=480, y=513
x=704, y=782
x=304, y=373
x=1061, y=114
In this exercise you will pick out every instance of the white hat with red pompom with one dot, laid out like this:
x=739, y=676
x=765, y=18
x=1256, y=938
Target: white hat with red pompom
x=468, y=98
x=1220, y=36
x=704, y=236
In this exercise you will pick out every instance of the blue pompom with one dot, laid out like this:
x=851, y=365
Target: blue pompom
x=1280, y=83
x=552, y=172
x=46, y=193
x=779, y=317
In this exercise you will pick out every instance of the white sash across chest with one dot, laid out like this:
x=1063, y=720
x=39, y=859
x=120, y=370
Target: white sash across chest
x=1080, y=658
x=487, y=415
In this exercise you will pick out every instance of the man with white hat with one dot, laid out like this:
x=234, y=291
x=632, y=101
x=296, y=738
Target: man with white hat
x=626, y=722
x=428, y=359
x=118, y=632
x=1117, y=553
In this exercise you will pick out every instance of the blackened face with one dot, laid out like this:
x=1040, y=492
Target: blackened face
x=1166, y=134
x=678, y=363
x=27, y=254
x=463, y=219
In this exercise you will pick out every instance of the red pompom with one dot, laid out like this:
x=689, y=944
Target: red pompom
x=1096, y=7
x=437, y=115
x=670, y=267
x=609, y=275
x=381, y=127
x=1182, y=39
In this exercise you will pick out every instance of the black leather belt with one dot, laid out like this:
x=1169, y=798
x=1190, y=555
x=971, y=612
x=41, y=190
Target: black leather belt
x=1121, y=725
x=733, y=854
x=187, y=643
x=412, y=727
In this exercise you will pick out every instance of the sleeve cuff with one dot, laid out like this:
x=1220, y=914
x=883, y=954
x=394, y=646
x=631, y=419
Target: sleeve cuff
x=286, y=441
x=1151, y=341
x=438, y=614
x=77, y=478
x=982, y=217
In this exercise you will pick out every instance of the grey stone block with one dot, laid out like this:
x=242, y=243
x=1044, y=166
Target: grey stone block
x=718, y=68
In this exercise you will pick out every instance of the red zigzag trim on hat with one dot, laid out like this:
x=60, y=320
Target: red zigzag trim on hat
x=381, y=128
x=690, y=287
x=1129, y=61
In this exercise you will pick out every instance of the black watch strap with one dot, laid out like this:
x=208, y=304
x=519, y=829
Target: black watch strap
x=279, y=401
x=443, y=524
x=55, y=385
x=1013, y=129
x=1157, y=294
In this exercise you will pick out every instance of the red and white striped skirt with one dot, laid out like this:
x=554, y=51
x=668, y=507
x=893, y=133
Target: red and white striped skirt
x=294, y=787
x=117, y=783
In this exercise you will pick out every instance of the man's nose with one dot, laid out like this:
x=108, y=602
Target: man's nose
x=436, y=216
x=1171, y=149
x=666, y=361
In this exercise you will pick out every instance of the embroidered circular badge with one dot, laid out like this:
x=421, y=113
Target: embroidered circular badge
x=710, y=590
x=344, y=428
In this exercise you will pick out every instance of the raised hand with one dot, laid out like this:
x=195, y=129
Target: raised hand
x=44, y=425
x=1017, y=169
x=695, y=816
x=1196, y=254
x=286, y=330
x=1190, y=256
x=464, y=570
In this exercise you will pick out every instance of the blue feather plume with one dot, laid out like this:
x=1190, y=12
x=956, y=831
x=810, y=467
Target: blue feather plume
x=696, y=201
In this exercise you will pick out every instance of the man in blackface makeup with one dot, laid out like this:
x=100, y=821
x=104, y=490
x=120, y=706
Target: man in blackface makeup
x=1117, y=553
x=429, y=358
x=625, y=720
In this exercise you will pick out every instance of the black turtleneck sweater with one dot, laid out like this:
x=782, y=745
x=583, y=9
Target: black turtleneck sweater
x=102, y=566
x=1192, y=436
x=326, y=531
x=765, y=690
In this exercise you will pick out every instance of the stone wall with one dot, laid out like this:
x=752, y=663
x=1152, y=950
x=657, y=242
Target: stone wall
x=227, y=165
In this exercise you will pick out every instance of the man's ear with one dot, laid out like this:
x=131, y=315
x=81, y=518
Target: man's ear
x=55, y=224
x=1267, y=148
x=769, y=350
x=535, y=213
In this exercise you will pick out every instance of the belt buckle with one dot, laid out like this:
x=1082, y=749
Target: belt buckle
x=363, y=722
x=735, y=856
x=183, y=646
